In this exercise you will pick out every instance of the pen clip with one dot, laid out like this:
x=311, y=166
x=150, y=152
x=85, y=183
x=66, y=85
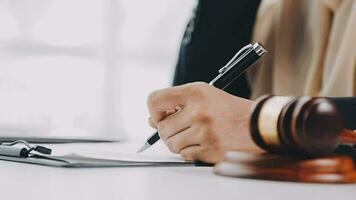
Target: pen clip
x=236, y=57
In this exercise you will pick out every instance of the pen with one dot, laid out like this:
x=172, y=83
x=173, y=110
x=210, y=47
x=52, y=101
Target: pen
x=241, y=61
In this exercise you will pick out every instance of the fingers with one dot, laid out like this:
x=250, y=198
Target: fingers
x=170, y=112
x=192, y=153
x=183, y=139
x=151, y=123
x=173, y=124
x=165, y=100
x=199, y=153
x=169, y=99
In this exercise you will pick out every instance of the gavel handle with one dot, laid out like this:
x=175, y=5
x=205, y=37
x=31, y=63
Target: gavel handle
x=348, y=136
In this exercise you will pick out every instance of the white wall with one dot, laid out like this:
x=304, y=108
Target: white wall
x=85, y=66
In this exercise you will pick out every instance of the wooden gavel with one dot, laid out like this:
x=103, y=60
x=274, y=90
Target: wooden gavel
x=299, y=134
x=308, y=126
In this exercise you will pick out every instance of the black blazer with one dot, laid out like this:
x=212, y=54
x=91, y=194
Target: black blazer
x=216, y=32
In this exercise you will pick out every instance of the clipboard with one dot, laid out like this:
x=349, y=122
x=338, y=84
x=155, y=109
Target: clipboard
x=41, y=155
x=77, y=161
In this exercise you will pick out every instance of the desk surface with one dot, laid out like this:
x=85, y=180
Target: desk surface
x=24, y=181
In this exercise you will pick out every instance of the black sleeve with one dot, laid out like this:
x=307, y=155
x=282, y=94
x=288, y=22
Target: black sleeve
x=216, y=32
x=347, y=107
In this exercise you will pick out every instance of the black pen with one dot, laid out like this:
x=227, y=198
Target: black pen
x=241, y=61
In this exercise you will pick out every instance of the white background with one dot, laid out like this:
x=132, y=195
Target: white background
x=85, y=66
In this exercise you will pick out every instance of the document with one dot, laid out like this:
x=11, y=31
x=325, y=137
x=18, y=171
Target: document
x=101, y=155
x=135, y=157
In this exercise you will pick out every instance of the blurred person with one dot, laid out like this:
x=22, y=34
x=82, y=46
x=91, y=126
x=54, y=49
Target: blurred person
x=311, y=51
x=214, y=34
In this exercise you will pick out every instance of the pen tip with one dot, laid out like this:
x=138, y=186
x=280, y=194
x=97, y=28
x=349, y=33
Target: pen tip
x=143, y=148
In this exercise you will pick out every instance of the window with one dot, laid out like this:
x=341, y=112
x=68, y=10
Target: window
x=85, y=67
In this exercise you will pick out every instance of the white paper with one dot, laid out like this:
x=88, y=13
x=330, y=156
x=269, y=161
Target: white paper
x=121, y=151
x=135, y=157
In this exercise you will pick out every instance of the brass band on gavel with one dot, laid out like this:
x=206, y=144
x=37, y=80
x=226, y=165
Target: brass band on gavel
x=309, y=126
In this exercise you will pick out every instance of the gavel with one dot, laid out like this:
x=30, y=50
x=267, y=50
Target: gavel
x=306, y=126
x=298, y=135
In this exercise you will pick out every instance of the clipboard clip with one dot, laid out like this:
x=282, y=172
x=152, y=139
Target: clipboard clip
x=10, y=149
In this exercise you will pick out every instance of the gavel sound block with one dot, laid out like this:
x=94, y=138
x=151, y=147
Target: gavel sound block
x=331, y=169
x=301, y=132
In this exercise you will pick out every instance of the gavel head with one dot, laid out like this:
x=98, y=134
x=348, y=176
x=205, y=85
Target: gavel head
x=304, y=126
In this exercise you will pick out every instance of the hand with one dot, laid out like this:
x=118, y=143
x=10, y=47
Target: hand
x=200, y=121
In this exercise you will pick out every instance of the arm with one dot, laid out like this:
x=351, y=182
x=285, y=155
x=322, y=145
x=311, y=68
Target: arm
x=210, y=121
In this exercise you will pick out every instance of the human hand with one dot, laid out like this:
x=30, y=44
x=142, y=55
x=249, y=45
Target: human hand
x=200, y=121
